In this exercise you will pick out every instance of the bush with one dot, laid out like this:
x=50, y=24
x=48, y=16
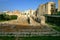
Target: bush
x=5, y=17
x=13, y=16
x=2, y=16
x=58, y=13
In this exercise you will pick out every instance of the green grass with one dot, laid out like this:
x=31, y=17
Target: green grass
x=31, y=38
x=7, y=38
x=42, y=38
x=54, y=26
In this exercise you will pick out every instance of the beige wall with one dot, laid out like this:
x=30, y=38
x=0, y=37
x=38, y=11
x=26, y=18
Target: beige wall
x=48, y=7
x=42, y=19
x=58, y=5
x=40, y=10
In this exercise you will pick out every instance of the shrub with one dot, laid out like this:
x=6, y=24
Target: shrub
x=13, y=16
x=58, y=13
x=5, y=17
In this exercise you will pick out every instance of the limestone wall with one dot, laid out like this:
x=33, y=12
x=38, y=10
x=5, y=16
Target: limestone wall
x=42, y=19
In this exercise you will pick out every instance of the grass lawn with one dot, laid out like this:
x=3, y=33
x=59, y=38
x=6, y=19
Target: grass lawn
x=31, y=38
x=7, y=38
x=54, y=26
x=42, y=38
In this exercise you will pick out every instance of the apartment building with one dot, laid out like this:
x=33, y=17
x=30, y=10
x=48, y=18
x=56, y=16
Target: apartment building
x=50, y=8
x=29, y=12
x=15, y=12
x=47, y=8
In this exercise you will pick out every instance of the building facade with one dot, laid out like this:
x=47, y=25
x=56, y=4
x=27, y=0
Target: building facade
x=58, y=5
x=47, y=8
x=50, y=8
x=29, y=12
x=15, y=12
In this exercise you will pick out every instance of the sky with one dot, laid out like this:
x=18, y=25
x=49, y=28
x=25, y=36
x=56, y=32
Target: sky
x=22, y=5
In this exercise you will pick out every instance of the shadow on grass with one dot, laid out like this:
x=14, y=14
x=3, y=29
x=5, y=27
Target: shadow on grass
x=31, y=38
x=54, y=26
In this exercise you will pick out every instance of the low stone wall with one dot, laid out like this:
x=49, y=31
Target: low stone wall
x=29, y=34
x=42, y=20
